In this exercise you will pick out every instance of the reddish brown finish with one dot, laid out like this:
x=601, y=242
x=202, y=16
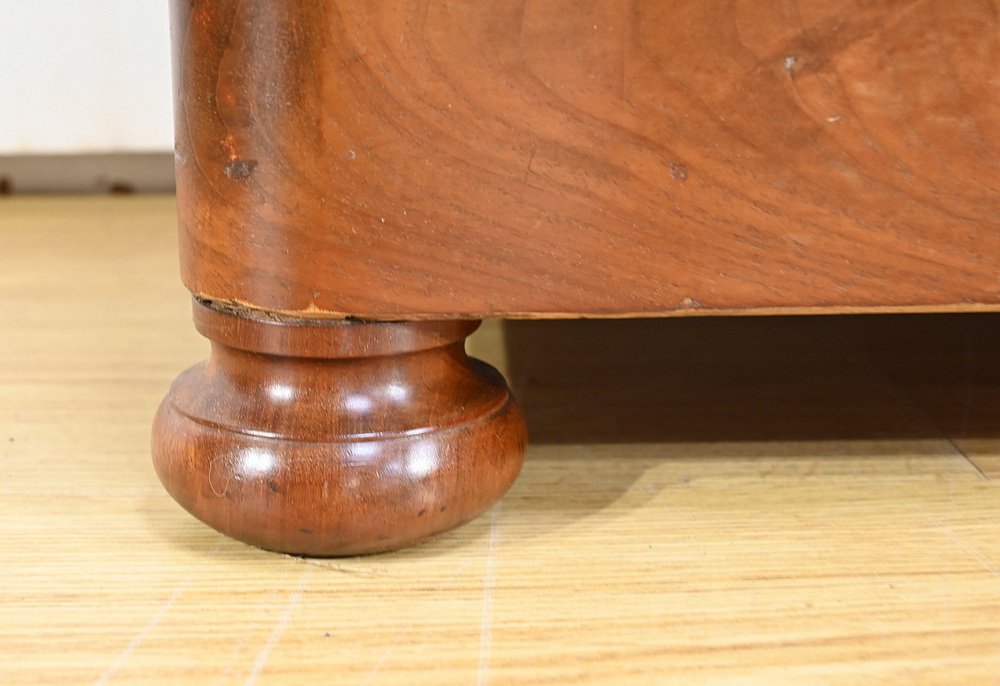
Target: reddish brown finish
x=336, y=438
x=539, y=157
x=462, y=159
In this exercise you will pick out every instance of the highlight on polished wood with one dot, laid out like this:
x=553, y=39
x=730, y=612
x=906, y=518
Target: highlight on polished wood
x=336, y=438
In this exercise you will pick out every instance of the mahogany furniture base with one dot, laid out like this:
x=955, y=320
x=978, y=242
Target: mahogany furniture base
x=344, y=161
x=325, y=437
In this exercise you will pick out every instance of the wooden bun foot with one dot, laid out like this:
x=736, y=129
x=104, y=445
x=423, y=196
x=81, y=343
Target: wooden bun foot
x=331, y=438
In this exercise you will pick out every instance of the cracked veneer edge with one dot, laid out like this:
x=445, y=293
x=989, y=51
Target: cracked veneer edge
x=313, y=314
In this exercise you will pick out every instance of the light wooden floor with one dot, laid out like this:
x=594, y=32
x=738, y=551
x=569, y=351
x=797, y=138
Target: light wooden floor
x=773, y=501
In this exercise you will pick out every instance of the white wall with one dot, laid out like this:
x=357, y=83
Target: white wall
x=84, y=76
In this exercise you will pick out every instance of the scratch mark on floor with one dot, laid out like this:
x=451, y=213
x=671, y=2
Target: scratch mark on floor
x=140, y=637
x=367, y=572
x=486, y=625
x=972, y=552
x=145, y=631
x=378, y=665
x=968, y=459
x=281, y=627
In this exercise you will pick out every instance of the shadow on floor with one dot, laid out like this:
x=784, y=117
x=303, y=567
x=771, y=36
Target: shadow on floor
x=757, y=378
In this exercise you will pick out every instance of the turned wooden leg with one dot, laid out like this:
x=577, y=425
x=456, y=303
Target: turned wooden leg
x=322, y=437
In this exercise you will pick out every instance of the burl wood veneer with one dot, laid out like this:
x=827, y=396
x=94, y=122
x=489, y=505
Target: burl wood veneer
x=342, y=163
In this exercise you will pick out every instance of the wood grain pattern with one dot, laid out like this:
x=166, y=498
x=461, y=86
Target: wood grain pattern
x=553, y=157
x=831, y=533
x=336, y=438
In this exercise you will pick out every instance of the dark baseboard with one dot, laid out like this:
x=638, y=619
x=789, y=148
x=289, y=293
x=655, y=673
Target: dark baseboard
x=151, y=172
